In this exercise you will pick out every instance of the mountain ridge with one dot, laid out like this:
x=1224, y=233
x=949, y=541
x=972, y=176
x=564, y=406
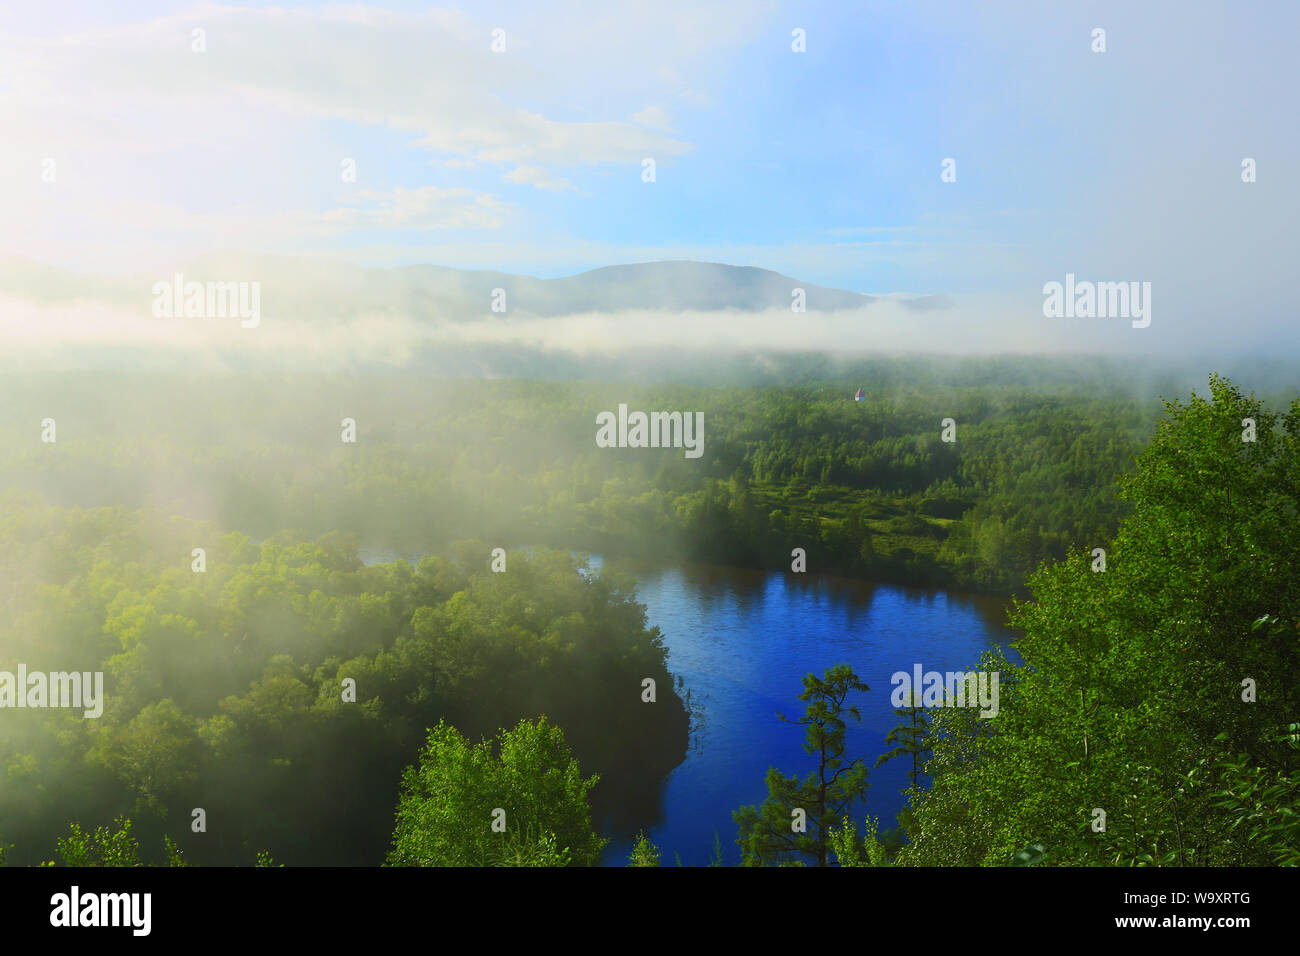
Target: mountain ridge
x=328, y=288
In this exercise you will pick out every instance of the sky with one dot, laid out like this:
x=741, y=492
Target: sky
x=128, y=149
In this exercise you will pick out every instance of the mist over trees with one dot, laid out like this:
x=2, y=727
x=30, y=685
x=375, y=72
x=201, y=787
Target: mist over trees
x=869, y=488
x=227, y=689
x=287, y=687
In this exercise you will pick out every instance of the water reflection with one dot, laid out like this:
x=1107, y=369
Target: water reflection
x=741, y=640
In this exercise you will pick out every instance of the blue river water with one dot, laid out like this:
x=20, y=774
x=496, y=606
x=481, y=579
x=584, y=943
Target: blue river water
x=741, y=641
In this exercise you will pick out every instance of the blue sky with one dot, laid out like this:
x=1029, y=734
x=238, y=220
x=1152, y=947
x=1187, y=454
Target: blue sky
x=824, y=165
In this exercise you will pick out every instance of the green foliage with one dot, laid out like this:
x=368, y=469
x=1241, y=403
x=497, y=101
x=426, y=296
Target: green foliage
x=543, y=852
x=118, y=847
x=223, y=687
x=1263, y=805
x=1131, y=693
x=715, y=857
x=1031, y=855
x=767, y=833
x=452, y=797
x=644, y=853
x=172, y=853
x=909, y=738
x=849, y=852
x=250, y=659
x=154, y=754
x=867, y=485
x=103, y=847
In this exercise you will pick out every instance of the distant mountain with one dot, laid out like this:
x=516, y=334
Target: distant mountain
x=313, y=288
x=678, y=286
x=461, y=294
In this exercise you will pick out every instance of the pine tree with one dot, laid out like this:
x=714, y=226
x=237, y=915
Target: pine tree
x=909, y=737
x=797, y=816
x=644, y=853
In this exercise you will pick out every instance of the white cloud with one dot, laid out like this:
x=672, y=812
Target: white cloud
x=654, y=118
x=539, y=177
x=163, y=149
x=430, y=73
x=425, y=208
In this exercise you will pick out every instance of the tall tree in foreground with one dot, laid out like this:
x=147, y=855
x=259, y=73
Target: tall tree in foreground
x=1143, y=664
x=908, y=738
x=909, y=741
x=519, y=800
x=796, y=818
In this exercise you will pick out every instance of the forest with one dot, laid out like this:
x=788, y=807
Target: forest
x=345, y=675
x=868, y=488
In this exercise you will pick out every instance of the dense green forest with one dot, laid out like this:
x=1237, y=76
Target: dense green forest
x=868, y=489
x=1161, y=690
x=225, y=689
x=1164, y=691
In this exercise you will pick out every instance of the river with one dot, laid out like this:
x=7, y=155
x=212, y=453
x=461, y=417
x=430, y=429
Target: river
x=742, y=641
